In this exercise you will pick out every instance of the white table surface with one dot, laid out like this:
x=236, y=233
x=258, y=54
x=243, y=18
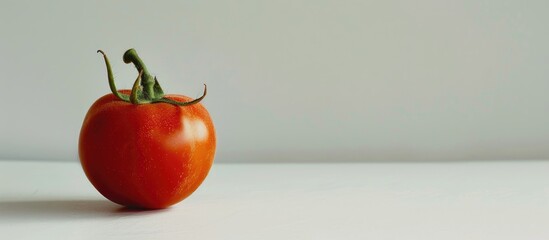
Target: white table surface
x=484, y=200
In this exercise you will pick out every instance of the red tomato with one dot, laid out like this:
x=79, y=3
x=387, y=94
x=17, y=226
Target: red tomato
x=149, y=155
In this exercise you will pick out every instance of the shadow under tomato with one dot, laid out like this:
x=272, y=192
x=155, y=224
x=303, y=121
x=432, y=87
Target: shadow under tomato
x=52, y=210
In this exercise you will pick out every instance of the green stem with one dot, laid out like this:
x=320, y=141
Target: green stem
x=146, y=88
x=147, y=80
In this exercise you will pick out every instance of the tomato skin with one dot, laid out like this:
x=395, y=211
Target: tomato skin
x=148, y=155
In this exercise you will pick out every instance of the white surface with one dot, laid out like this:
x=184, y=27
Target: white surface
x=362, y=80
x=496, y=200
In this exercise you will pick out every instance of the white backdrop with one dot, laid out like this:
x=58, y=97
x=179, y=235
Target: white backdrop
x=291, y=80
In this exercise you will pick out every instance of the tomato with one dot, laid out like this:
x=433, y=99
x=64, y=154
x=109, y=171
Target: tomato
x=151, y=153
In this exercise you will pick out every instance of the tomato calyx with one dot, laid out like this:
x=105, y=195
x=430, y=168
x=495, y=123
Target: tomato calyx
x=146, y=88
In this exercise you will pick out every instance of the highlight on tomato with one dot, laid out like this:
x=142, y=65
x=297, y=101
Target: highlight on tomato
x=142, y=148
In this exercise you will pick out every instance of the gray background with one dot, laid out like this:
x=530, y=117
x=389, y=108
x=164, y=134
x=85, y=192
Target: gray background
x=291, y=80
